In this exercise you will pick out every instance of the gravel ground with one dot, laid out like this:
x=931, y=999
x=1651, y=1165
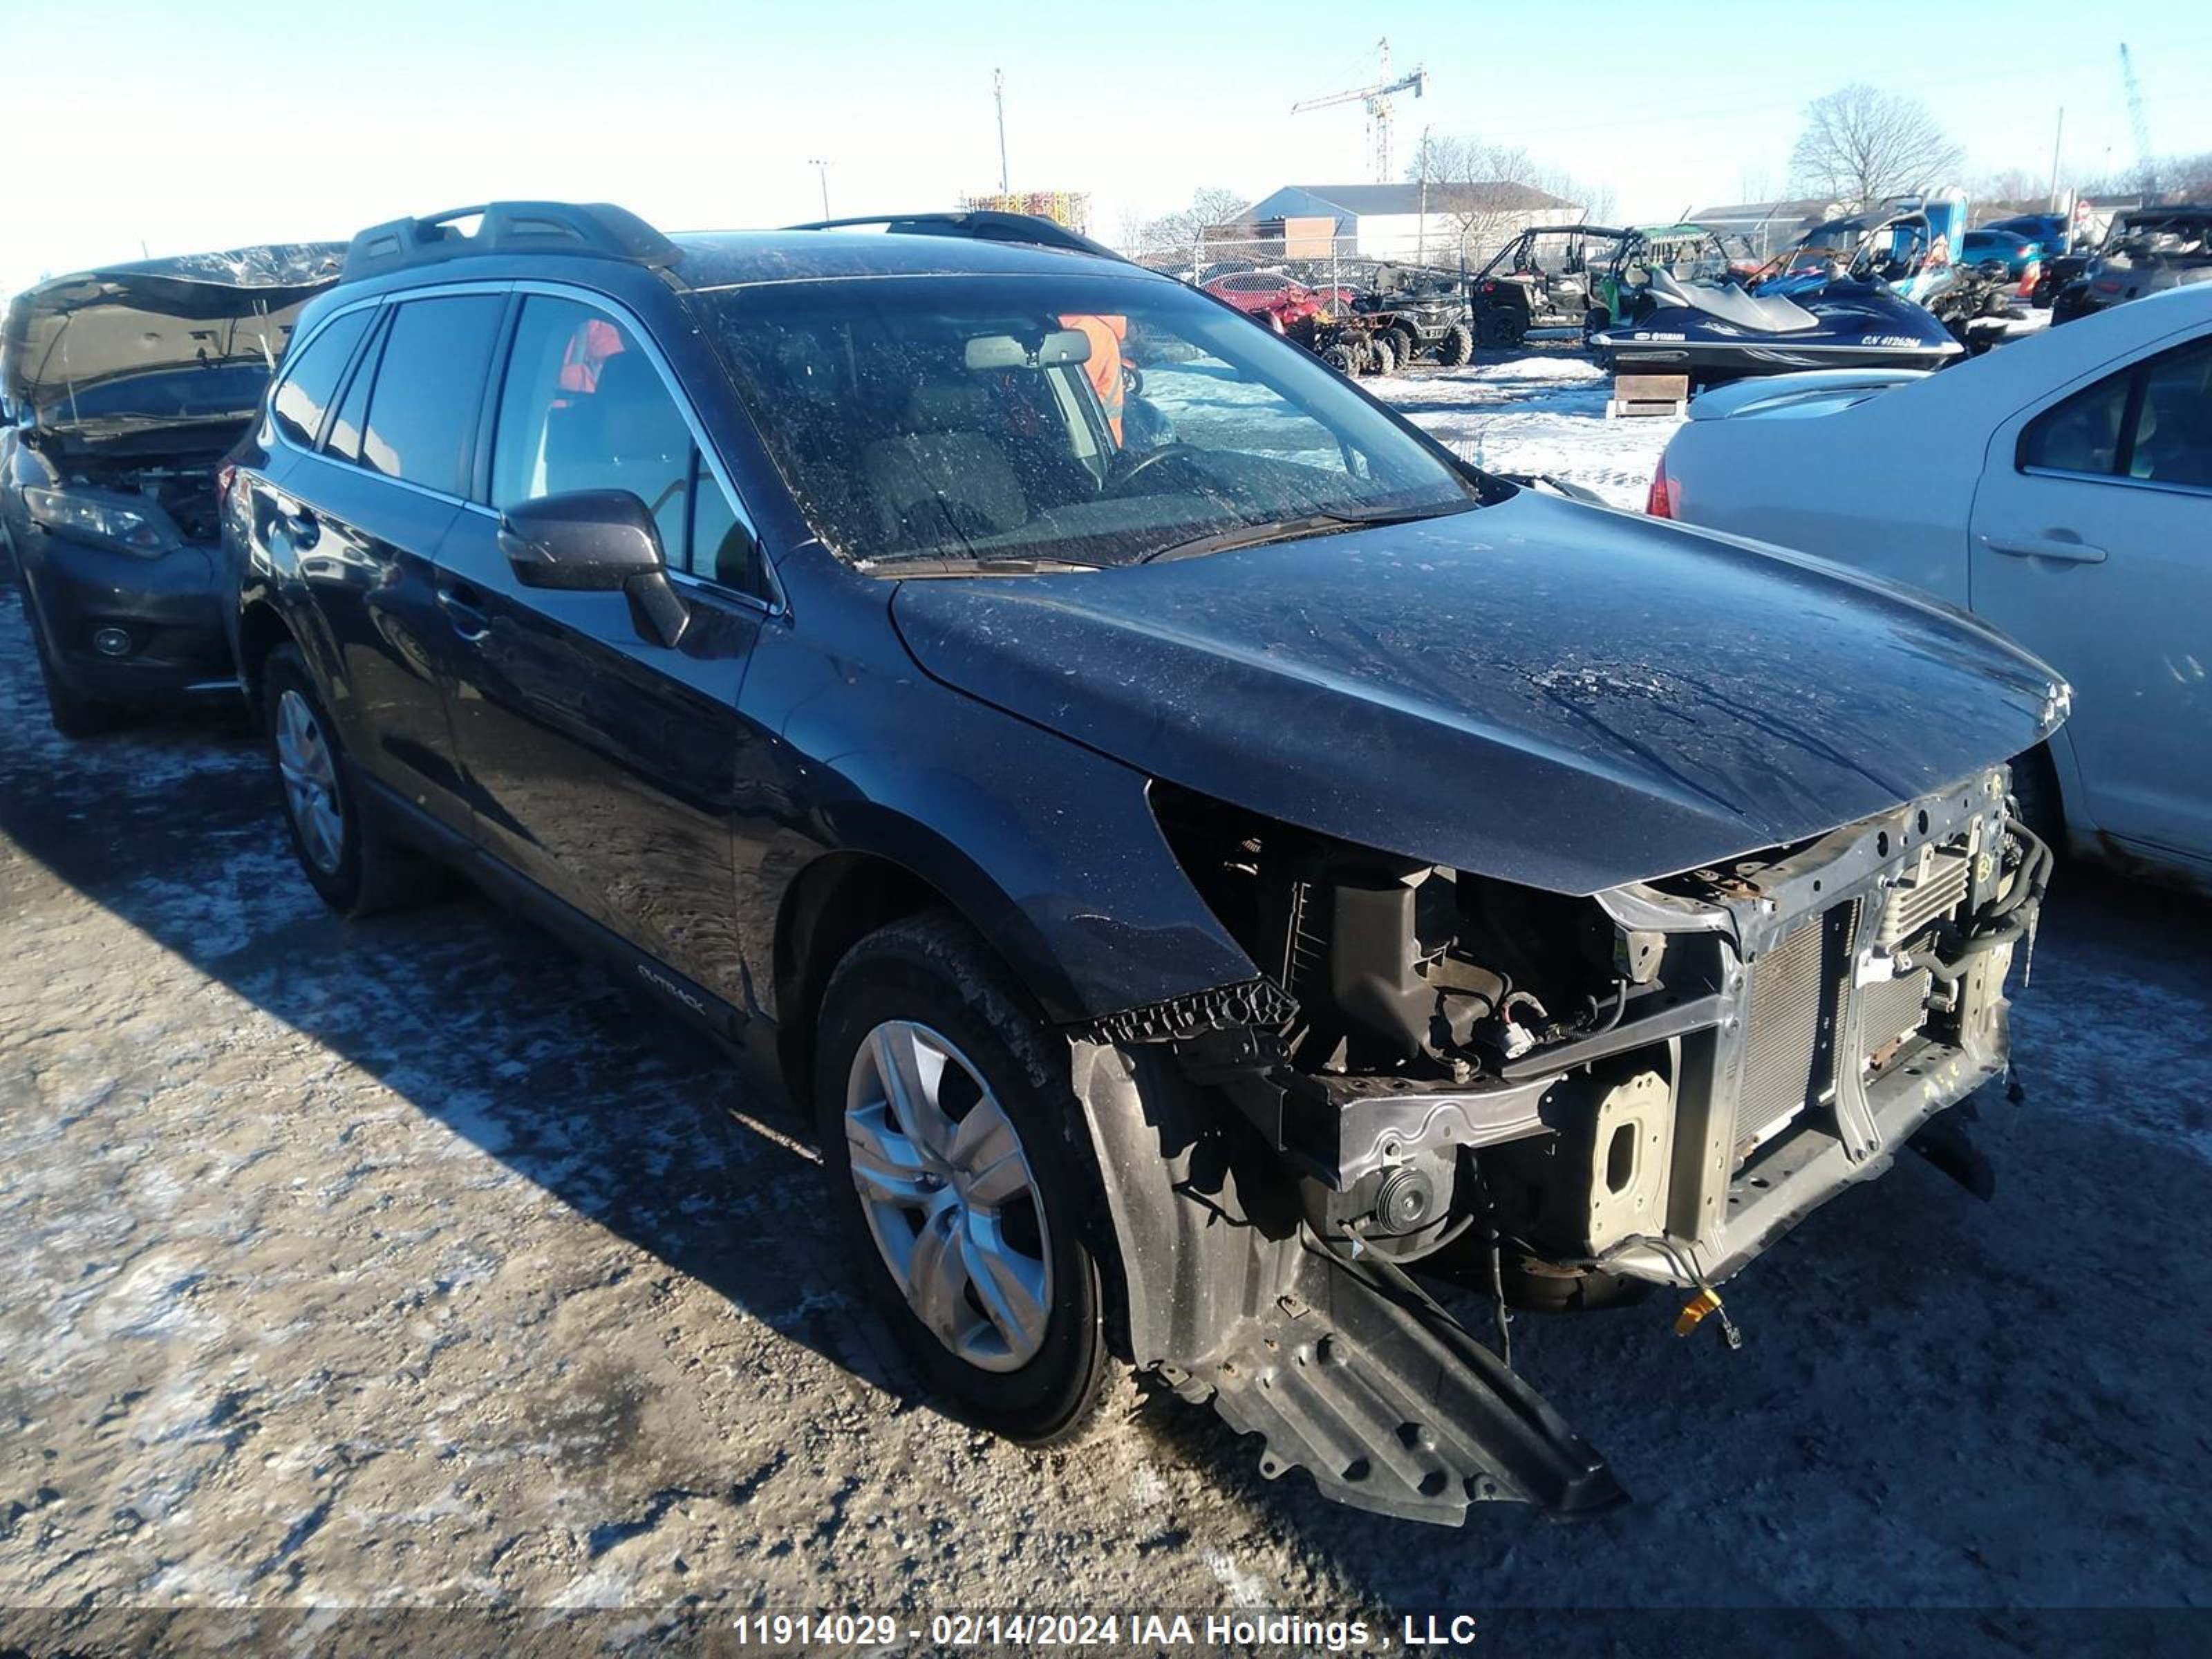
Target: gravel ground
x=410, y=1263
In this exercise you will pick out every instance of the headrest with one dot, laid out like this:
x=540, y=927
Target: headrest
x=948, y=406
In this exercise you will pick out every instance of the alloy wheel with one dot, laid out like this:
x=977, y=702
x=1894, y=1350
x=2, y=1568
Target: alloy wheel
x=311, y=782
x=949, y=1196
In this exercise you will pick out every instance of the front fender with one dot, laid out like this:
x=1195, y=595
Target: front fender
x=1050, y=849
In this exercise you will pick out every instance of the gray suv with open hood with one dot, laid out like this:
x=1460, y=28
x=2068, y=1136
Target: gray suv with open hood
x=127, y=384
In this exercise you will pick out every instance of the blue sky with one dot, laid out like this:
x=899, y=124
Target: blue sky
x=163, y=127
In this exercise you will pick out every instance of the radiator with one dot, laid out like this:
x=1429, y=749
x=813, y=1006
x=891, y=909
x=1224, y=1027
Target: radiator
x=1800, y=995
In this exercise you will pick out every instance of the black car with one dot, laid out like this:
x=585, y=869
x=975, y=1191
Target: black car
x=2147, y=250
x=127, y=384
x=1231, y=880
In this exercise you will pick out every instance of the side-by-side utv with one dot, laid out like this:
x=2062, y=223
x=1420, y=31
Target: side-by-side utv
x=1561, y=281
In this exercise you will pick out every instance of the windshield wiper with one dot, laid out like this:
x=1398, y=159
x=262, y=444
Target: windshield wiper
x=975, y=564
x=1289, y=530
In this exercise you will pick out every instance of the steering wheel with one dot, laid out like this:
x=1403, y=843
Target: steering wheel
x=1122, y=475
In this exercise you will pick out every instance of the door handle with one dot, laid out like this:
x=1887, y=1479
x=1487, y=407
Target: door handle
x=458, y=601
x=2064, y=546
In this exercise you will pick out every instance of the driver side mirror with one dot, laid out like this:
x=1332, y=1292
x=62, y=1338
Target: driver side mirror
x=596, y=541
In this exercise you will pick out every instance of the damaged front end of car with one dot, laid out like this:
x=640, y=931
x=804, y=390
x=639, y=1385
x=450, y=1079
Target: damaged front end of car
x=1524, y=1092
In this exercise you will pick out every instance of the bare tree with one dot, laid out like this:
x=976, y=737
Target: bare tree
x=2187, y=178
x=2181, y=178
x=1486, y=192
x=1861, y=144
x=1210, y=206
x=2009, y=185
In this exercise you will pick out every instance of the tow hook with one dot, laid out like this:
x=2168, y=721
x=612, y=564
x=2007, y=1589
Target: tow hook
x=1707, y=1301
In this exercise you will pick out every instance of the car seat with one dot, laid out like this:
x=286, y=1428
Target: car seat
x=945, y=471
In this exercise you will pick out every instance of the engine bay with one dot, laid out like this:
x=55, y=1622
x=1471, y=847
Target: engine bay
x=1617, y=1083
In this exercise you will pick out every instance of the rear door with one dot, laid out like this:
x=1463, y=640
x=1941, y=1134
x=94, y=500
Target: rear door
x=608, y=767
x=2092, y=544
x=370, y=505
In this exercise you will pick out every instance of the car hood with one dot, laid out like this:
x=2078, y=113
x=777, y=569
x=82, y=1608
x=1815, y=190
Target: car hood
x=75, y=333
x=1551, y=694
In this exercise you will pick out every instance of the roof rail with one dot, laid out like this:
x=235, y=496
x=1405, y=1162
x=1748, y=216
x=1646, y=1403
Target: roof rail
x=595, y=230
x=980, y=225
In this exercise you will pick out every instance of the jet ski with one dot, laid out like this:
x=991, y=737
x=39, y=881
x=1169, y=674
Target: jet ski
x=1846, y=294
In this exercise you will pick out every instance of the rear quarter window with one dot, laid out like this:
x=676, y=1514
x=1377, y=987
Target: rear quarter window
x=304, y=395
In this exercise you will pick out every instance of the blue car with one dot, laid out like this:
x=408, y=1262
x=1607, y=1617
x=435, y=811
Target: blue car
x=2052, y=232
x=2000, y=252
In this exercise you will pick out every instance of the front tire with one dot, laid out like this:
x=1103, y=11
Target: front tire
x=356, y=868
x=960, y=1170
x=1457, y=346
x=2035, y=793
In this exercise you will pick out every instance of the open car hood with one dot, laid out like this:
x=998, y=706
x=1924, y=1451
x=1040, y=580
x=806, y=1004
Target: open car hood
x=80, y=332
x=1550, y=694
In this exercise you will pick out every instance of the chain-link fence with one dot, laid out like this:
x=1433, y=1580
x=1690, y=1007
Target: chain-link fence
x=1382, y=253
x=1322, y=263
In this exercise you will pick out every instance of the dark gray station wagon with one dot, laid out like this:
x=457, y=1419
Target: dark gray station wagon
x=1233, y=884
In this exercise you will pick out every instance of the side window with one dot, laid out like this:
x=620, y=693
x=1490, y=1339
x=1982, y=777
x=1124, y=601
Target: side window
x=722, y=548
x=343, y=439
x=584, y=407
x=2171, y=442
x=2151, y=422
x=2083, y=434
x=423, y=408
x=305, y=393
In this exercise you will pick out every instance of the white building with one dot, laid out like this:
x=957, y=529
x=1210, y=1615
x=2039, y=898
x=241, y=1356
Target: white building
x=1439, y=223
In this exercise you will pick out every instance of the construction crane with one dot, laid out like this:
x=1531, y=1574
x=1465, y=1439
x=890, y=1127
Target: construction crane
x=2146, y=165
x=1378, y=100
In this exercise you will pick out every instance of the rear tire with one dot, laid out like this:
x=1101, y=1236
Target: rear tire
x=1344, y=360
x=356, y=869
x=979, y=1238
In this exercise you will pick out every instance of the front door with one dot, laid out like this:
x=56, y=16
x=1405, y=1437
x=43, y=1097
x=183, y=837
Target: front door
x=2092, y=545
x=606, y=765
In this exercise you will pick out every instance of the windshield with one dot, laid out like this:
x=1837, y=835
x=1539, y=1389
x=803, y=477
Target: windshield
x=2181, y=234
x=1075, y=418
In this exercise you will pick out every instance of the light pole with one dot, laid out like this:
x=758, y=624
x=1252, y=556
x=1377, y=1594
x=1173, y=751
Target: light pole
x=999, y=97
x=822, y=168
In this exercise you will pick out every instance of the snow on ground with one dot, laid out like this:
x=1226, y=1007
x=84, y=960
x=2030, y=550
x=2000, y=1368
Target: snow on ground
x=408, y=1262
x=1540, y=413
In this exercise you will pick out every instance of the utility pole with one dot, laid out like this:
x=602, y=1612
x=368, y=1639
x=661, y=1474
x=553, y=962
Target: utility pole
x=2057, y=139
x=998, y=94
x=822, y=168
x=1421, y=221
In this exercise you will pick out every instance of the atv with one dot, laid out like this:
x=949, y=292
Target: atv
x=1418, y=313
